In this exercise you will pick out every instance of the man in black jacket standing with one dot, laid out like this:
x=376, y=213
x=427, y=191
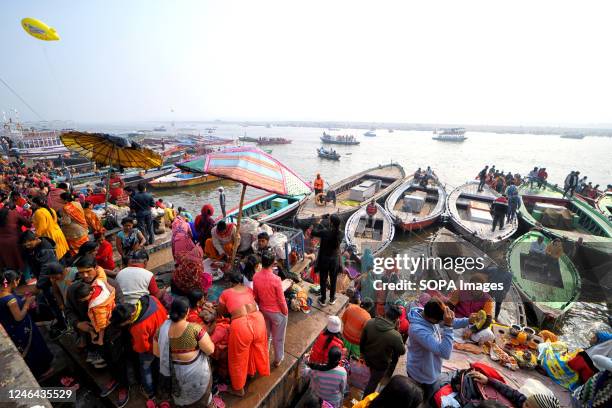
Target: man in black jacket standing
x=482, y=176
x=381, y=345
x=141, y=204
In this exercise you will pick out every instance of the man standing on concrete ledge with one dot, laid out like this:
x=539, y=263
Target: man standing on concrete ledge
x=381, y=345
x=222, y=201
x=141, y=203
x=428, y=345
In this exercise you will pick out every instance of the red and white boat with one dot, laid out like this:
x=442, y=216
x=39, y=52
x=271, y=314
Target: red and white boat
x=414, y=206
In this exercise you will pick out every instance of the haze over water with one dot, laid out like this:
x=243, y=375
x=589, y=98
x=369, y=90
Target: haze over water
x=454, y=163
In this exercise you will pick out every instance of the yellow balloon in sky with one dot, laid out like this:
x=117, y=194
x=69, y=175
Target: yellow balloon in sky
x=38, y=29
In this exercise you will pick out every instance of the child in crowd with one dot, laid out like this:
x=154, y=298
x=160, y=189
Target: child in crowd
x=101, y=302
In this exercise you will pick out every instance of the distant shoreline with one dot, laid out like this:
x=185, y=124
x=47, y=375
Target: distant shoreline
x=535, y=130
x=381, y=126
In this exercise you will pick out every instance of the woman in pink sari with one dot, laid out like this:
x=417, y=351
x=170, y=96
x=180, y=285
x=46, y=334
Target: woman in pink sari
x=182, y=240
x=189, y=271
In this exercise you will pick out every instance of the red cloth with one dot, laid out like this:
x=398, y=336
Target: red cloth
x=404, y=324
x=580, y=365
x=489, y=371
x=193, y=316
x=319, y=352
x=446, y=390
x=20, y=202
x=96, y=199
x=268, y=292
x=104, y=256
x=501, y=199
x=144, y=329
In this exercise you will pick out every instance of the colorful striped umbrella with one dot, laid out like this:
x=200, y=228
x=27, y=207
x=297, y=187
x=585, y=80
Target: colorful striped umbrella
x=251, y=167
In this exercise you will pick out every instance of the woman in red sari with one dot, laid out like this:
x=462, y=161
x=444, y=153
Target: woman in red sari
x=104, y=254
x=116, y=186
x=204, y=223
x=73, y=222
x=248, y=339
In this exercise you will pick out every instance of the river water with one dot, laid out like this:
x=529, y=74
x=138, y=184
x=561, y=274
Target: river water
x=454, y=163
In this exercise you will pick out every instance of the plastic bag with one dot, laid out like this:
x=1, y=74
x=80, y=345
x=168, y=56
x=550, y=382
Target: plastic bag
x=554, y=358
x=278, y=240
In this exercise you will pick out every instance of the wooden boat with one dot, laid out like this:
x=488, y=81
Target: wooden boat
x=270, y=208
x=351, y=193
x=266, y=141
x=328, y=154
x=362, y=233
x=248, y=139
x=565, y=218
x=135, y=178
x=604, y=204
x=433, y=197
x=446, y=244
x=469, y=214
x=554, y=191
x=341, y=140
x=549, y=286
x=181, y=179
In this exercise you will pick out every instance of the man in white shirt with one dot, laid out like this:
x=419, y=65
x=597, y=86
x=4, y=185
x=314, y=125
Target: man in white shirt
x=135, y=280
x=538, y=247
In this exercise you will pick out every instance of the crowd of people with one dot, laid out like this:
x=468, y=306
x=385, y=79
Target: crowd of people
x=180, y=347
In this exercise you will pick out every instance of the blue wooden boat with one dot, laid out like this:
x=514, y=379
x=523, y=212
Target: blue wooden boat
x=270, y=208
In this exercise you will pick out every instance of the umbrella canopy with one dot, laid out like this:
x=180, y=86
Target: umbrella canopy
x=249, y=166
x=111, y=150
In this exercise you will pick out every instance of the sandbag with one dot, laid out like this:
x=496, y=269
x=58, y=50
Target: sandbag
x=248, y=233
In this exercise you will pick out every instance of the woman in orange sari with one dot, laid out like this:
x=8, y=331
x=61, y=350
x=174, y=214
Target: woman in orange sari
x=248, y=339
x=73, y=223
x=93, y=222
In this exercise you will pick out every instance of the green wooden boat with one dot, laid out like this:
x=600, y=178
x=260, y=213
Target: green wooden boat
x=604, y=204
x=583, y=221
x=548, y=285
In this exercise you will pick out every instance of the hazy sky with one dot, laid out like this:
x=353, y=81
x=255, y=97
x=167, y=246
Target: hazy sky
x=462, y=61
